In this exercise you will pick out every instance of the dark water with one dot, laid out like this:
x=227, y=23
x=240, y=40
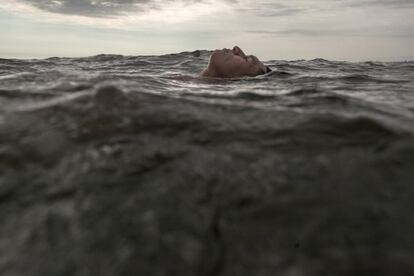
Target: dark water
x=115, y=165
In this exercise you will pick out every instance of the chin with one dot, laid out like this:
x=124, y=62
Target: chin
x=217, y=54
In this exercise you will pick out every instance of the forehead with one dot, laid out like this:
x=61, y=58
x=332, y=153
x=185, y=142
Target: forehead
x=257, y=62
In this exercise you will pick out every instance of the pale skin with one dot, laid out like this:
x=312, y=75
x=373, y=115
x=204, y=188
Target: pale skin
x=233, y=63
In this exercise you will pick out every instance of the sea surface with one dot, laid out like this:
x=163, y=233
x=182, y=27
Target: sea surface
x=131, y=165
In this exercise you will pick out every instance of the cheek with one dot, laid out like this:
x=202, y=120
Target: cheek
x=237, y=64
x=219, y=61
x=214, y=58
x=228, y=65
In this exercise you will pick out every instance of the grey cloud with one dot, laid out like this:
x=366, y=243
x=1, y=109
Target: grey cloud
x=364, y=32
x=377, y=3
x=109, y=8
x=95, y=8
x=272, y=9
x=100, y=8
x=280, y=8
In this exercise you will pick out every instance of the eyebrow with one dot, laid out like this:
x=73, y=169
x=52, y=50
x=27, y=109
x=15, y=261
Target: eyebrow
x=255, y=58
x=252, y=57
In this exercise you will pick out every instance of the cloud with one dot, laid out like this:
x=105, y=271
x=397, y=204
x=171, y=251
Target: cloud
x=261, y=8
x=379, y=3
x=279, y=8
x=91, y=8
x=104, y=8
x=120, y=14
x=339, y=32
x=267, y=9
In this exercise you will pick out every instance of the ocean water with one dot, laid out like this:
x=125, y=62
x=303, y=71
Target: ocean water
x=130, y=165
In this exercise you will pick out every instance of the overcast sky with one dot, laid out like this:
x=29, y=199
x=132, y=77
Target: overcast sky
x=297, y=29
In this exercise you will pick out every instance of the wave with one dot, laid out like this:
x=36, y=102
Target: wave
x=358, y=78
x=136, y=155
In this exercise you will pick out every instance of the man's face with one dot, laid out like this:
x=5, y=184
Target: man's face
x=234, y=63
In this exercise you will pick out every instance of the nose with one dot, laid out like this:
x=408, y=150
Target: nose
x=238, y=51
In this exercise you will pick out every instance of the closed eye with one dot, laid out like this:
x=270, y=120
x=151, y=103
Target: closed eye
x=251, y=59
